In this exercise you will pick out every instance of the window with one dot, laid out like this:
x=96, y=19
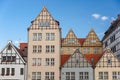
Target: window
x=39, y=36
x=113, y=49
x=33, y=75
x=52, y=36
x=8, y=58
x=52, y=76
x=115, y=75
x=39, y=61
x=9, y=47
x=112, y=38
x=8, y=71
x=47, y=48
x=21, y=71
x=52, y=48
x=103, y=75
x=34, y=61
x=4, y=58
x=38, y=76
x=47, y=61
x=83, y=75
x=46, y=75
x=34, y=48
x=109, y=60
x=44, y=24
x=70, y=41
x=70, y=75
x=39, y=49
x=34, y=36
x=3, y=71
x=13, y=58
x=96, y=50
x=47, y=36
x=67, y=75
x=86, y=50
x=12, y=71
x=52, y=61
x=106, y=44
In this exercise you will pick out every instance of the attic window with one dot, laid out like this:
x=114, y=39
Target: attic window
x=70, y=41
x=44, y=24
x=109, y=60
x=77, y=61
x=9, y=47
x=92, y=41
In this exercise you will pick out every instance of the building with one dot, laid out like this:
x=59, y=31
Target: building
x=89, y=45
x=44, y=36
x=12, y=64
x=76, y=67
x=111, y=37
x=108, y=67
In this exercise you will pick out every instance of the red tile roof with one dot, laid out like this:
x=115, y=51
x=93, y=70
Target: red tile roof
x=23, y=45
x=95, y=57
x=81, y=40
x=64, y=58
x=24, y=49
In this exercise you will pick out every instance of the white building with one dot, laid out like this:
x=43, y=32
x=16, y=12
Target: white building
x=111, y=38
x=76, y=67
x=12, y=65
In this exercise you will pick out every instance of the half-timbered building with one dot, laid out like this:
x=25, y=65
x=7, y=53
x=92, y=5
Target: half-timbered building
x=89, y=45
x=12, y=64
x=108, y=67
x=111, y=38
x=76, y=67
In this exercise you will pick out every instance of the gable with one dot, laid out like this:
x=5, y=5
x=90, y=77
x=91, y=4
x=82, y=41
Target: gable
x=92, y=39
x=10, y=54
x=76, y=60
x=108, y=60
x=70, y=39
x=44, y=21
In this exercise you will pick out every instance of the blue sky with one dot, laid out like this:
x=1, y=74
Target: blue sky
x=80, y=15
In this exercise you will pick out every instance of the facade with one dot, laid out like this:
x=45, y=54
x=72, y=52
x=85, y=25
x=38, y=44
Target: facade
x=111, y=38
x=76, y=67
x=44, y=48
x=108, y=67
x=89, y=45
x=12, y=64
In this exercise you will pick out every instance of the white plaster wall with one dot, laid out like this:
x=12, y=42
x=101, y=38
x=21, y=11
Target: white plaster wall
x=77, y=70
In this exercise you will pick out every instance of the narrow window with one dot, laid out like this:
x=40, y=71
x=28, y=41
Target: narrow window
x=47, y=36
x=52, y=36
x=8, y=71
x=12, y=71
x=38, y=76
x=3, y=71
x=52, y=61
x=34, y=48
x=47, y=48
x=39, y=49
x=34, y=36
x=33, y=75
x=52, y=48
x=21, y=71
x=47, y=61
x=39, y=36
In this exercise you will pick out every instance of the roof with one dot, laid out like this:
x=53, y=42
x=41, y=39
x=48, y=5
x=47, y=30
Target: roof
x=64, y=58
x=112, y=27
x=93, y=58
x=24, y=49
x=81, y=40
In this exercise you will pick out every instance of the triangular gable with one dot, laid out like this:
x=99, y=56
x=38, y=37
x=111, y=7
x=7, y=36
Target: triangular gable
x=92, y=39
x=9, y=51
x=70, y=39
x=44, y=20
x=76, y=60
x=108, y=60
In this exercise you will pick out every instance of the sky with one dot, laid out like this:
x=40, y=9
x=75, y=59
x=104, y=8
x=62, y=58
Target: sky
x=80, y=15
